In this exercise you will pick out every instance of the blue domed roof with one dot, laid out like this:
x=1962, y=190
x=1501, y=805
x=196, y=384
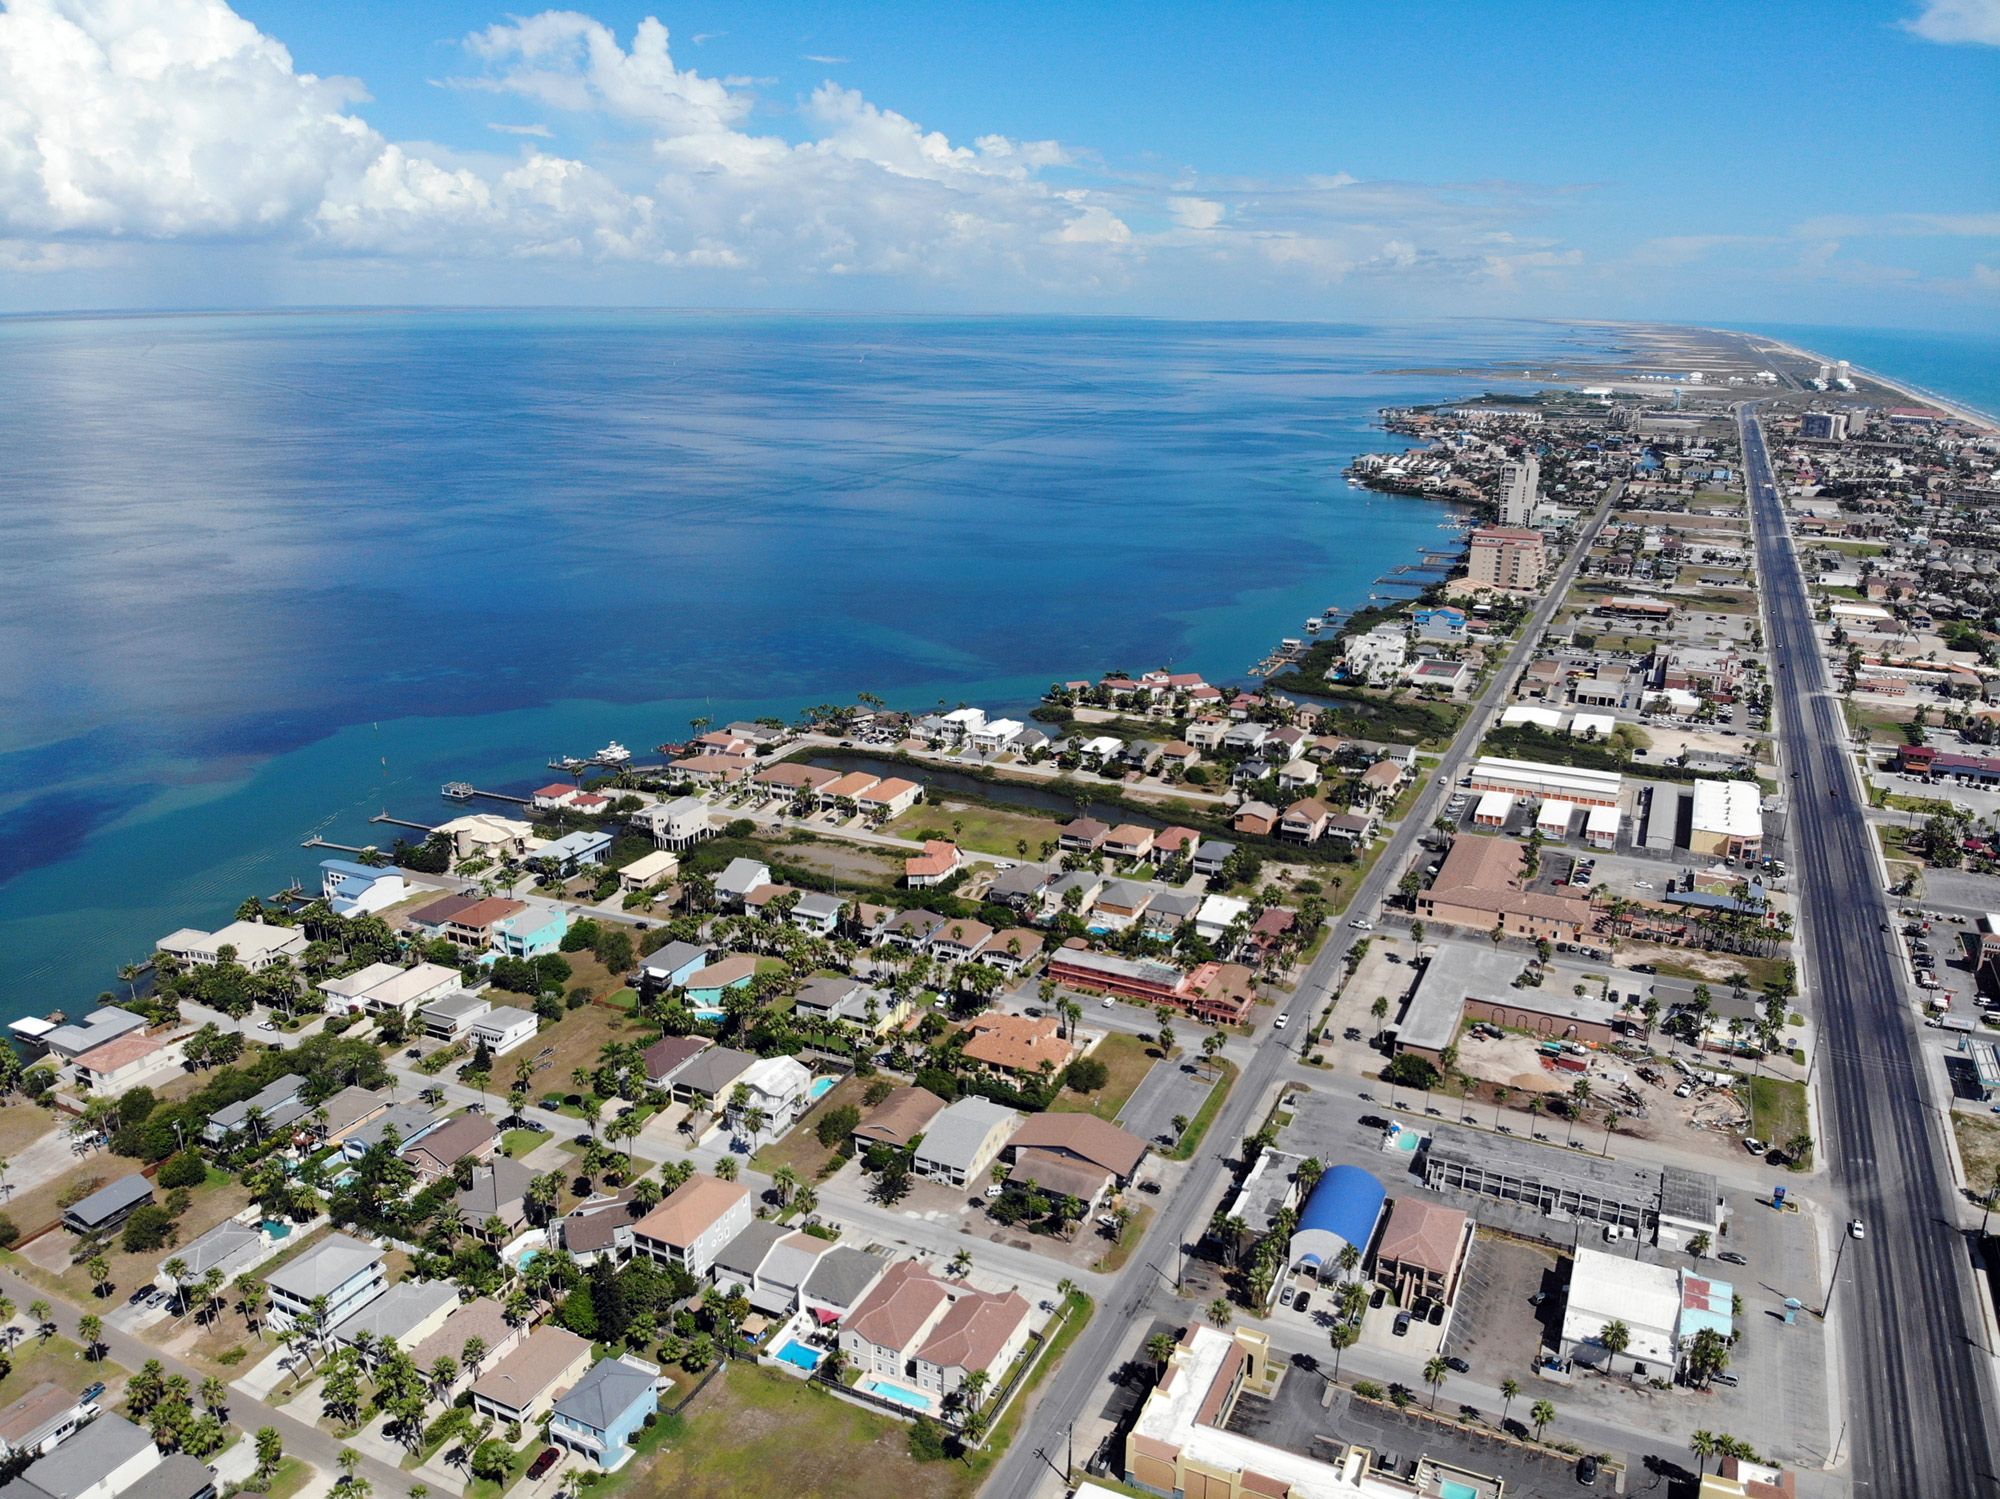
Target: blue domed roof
x=1347, y=1201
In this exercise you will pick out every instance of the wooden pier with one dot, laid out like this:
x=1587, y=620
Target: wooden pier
x=342, y=848
x=459, y=791
x=403, y=822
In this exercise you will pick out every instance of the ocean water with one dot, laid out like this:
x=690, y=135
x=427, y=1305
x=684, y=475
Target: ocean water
x=268, y=575
x=1961, y=367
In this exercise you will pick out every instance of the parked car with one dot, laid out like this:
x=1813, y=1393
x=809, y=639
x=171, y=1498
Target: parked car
x=995, y=1191
x=1586, y=1471
x=1402, y=1326
x=91, y=1392
x=1857, y=1229
x=1458, y=1364
x=1731, y=1257
x=544, y=1460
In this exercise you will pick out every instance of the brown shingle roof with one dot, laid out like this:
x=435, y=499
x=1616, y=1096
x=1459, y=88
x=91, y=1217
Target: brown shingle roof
x=482, y=1319
x=664, y=1055
x=1016, y=1043
x=455, y=1139
x=530, y=1371
x=37, y=1408
x=900, y=1117
x=691, y=1209
x=1083, y=1136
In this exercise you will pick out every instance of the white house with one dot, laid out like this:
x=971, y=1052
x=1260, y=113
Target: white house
x=358, y=890
x=996, y=735
x=381, y=987
x=504, y=1027
x=677, y=824
x=257, y=946
x=1379, y=655
x=347, y=1272
x=649, y=870
x=781, y=1087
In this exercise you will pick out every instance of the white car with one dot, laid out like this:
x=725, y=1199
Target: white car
x=1642, y=884
x=1107, y=1004
x=1282, y=1021
x=1856, y=1229
x=1360, y=925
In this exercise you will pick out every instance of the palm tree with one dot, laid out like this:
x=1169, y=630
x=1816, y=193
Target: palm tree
x=1615, y=1337
x=1702, y=1443
x=1698, y=1246
x=1509, y=1388
x=1610, y=1128
x=1543, y=1414
x=348, y=1461
x=1344, y=1336
x=1218, y=1311
x=1161, y=1346
x=38, y=1310
x=1435, y=1372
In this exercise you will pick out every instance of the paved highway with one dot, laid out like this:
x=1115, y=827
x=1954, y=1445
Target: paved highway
x=1918, y=1381
x=1079, y=1385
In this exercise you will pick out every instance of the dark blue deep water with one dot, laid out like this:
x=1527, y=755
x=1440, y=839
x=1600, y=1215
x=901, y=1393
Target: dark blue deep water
x=266, y=575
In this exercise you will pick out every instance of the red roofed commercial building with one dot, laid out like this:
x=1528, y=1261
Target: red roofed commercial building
x=1422, y=1251
x=1219, y=992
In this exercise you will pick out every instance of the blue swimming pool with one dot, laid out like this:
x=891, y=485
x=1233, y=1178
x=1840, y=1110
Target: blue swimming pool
x=799, y=1356
x=822, y=1086
x=915, y=1400
x=712, y=1016
x=277, y=1228
x=1451, y=1488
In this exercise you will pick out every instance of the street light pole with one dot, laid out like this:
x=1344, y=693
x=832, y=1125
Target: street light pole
x=1839, y=1253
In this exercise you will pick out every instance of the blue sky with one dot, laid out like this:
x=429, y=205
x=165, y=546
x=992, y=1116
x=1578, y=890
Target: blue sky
x=1830, y=162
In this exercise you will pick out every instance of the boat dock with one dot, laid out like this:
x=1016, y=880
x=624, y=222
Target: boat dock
x=403, y=822
x=462, y=791
x=340, y=848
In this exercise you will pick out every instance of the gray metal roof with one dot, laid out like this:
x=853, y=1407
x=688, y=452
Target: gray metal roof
x=1691, y=1196
x=743, y=1254
x=843, y=1276
x=108, y=1202
x=713, y=1070
x=409, y=1120
x=674, y=957
x=402, y=1307
x=94, y=1029
x=224, y=1240
x=88, y=1457
x=324, y=1268
x=608, y=1391
x=956, y=1134
x=267, y=1101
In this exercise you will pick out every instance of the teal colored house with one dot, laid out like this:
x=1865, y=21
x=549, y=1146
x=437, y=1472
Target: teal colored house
x=601, y=1415
x=706, y=987
x=530, y=933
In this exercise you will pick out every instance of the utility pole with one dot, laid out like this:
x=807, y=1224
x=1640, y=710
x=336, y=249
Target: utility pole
x=1839, y=1253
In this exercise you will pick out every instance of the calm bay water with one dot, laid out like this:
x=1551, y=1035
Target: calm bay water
x=268, y=575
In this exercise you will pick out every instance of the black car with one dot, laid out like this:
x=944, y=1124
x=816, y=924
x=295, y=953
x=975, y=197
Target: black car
x=1352, y=1033
x=1731, y=1257
x=1586, y=1471
x=1459, y=1364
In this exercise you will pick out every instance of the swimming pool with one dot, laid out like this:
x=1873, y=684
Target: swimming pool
x=527, y=1258
x=915, y=1400
x=714, y=1017
x=1451, y=1488
x=799, y=1356
x=277, y=1228
x=822, y=1086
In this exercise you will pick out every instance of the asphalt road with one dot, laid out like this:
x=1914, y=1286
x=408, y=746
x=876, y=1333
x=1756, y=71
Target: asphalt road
x=1919, y=1387
x=1079, y=1385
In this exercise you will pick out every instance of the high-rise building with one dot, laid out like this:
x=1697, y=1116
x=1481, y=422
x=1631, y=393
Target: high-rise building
x=1505, y=557
x=1519, y=482
x=1824, y=426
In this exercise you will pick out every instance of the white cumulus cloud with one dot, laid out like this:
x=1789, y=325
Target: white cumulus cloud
x=1955, y=21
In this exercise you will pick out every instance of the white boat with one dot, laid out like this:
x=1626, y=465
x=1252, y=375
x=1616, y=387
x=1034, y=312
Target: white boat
x=613, y=753
x=1313, y=623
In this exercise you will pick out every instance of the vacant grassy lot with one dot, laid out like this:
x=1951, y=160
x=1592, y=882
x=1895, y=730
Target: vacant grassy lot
x=59, y=1362
x=1128, y=1059
x=801, y=1149
x=1779, y=1109
x=993, y=830
x=578, y=1038
x=1978, y=1149
x=756, y=1434
x=208, y=1206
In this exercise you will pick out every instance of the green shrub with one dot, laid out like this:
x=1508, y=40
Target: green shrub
x=183, y=1169
x=1087, y=1075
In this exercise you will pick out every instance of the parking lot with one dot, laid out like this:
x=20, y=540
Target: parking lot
x=1497, y=1327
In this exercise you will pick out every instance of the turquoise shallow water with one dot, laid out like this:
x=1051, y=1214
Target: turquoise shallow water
x=268, y=575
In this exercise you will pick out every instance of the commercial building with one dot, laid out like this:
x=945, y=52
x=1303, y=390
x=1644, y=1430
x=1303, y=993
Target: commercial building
x=1728, y=819
x=1423, y=1250
x=1538, y=782
x=1569, y=1186
x=1662, y=1309
x=1221, y=993
x=1505, y=557
x=1480, y=885
x=1342, y=1210
x=1182, y=1442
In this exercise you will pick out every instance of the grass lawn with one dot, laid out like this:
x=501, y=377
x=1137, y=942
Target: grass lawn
x=59, y=1362
x=578, y=1038
x=800, y=1148
x=1205, y=1116
x=518, y=1142
x=208, y=1206
x=1128, y=1059
x=287, y=1478
x=23, y=1124
x=493, y=1488
x=1779, y=1109
x=991, y=829
x=1114, y=1258
x=1978, y=1149
x=758, y=1434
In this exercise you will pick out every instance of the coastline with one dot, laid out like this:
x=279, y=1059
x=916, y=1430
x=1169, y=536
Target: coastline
x=1971, y=415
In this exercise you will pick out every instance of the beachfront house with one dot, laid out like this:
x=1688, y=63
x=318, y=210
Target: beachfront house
x=357, y=890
